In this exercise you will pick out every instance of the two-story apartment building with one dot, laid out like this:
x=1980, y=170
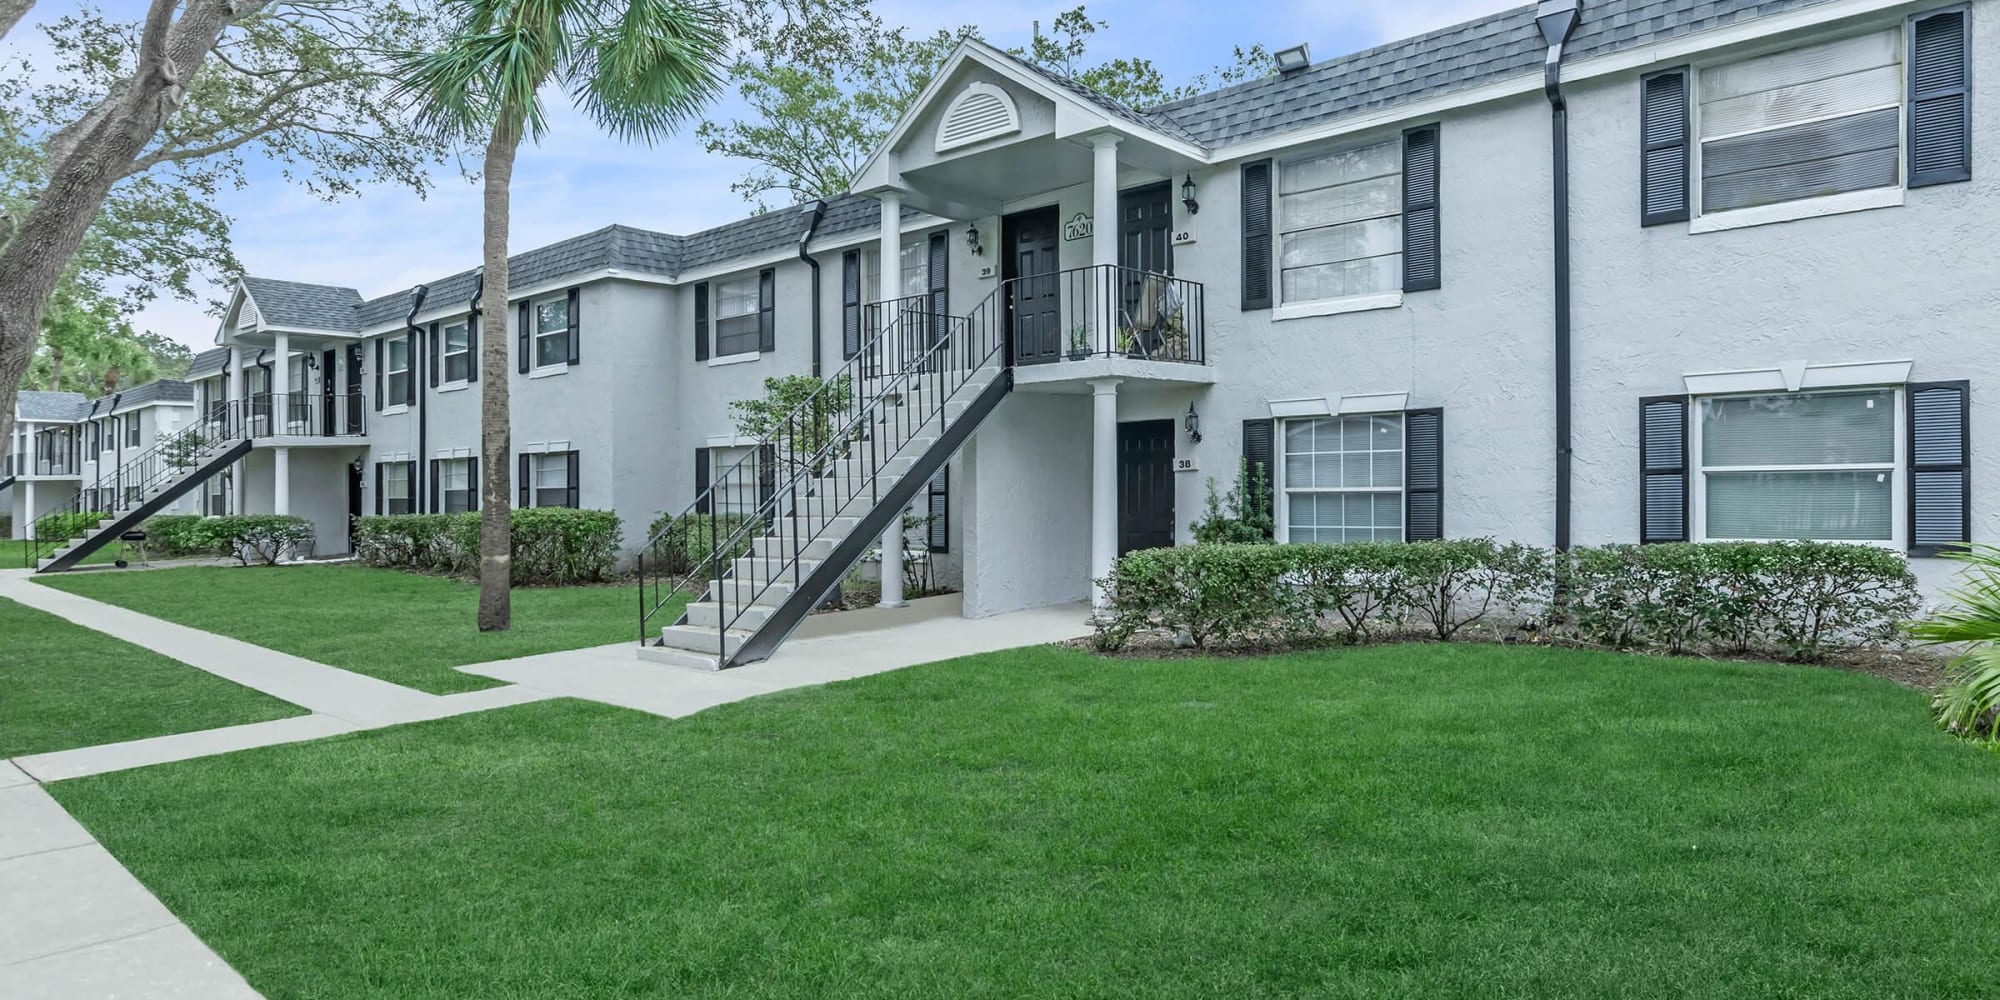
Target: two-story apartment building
x=1638, y=271
x=69, y=450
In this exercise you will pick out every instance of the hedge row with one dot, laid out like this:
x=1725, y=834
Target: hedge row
x=262, y=538
x=1799, y=600
x=680, y=545
x=551, y=545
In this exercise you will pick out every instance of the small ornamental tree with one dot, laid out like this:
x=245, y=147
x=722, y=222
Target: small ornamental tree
x=799, y=414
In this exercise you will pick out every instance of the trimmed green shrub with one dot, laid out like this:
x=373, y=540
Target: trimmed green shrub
x=551, y=545
x=182, y=535
x=65, y=526
x=265, y=538
x=1798, y=600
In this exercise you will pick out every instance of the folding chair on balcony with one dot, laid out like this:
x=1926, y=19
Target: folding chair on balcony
x=1148, y=315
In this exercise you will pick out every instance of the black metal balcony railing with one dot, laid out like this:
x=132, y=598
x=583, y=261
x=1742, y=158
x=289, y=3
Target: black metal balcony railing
x=1107, y=311
x=296, y=414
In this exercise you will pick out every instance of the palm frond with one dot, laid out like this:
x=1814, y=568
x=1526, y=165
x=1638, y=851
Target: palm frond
x=652, y=68
x=1971, y=693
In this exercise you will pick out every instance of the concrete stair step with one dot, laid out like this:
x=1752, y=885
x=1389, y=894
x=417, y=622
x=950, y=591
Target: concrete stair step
x=679, y=657
x=742, y=593
x=695, y=639
x=708, y=615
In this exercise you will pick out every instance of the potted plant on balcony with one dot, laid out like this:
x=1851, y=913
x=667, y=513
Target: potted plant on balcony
x=1079, y=343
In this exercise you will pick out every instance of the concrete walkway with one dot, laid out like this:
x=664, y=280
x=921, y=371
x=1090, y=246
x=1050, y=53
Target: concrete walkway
x=74, y=923
x=616, y=676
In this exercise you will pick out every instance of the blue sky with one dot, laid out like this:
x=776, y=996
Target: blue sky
x=579, y=180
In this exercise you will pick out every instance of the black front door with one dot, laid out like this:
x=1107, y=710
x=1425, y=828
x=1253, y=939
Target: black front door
x=327, y=427
x=1145, y=485
x=352, y=401
x=354, y=500
x=1145, y=229
x=1034, y=306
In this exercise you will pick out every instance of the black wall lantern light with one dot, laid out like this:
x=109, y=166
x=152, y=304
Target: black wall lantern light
x=972, y=239
x=1193, y=424
x=1187, y=196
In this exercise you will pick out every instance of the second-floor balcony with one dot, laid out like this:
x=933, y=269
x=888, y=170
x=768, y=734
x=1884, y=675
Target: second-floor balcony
x=1102, y=321
x=299, y=418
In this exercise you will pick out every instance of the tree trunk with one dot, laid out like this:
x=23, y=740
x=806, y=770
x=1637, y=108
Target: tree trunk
x=11, y=12
x=33, y=258
x=55, y=368
x=496, y=534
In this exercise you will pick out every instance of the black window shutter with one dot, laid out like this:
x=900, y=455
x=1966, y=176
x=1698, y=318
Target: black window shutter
x=1257, y=458
x=701, y=480
x=381, y=485
x=436, y=353
x=435, y=505
x=767, y=304
x=1423, y=475
x=701, y=321
x=940, y=283
x=523, y=340
x=940, y=505
x=524, y=489
x=472, y=348
x=1422, y=268
x=1940, y=112
x=1663, y=469
x=472, y=484
x=1663, y=147
x=1940, y=465
x=575, y=326
x=767, y=483
x=575, y=482
x=1256, y=235
x=850, y=304
x=378, y=387
x=410, y=484
x=414, y=346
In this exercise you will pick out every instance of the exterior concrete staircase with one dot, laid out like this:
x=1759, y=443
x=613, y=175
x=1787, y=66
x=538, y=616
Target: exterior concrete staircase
x=825, y=522
x=141, y=488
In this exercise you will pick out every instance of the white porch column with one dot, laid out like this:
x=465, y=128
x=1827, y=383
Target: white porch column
x=1103, y=483
x=281, y=480
x=1103, y=240
x=891, y=237
x=237, y=412
x=28, y=511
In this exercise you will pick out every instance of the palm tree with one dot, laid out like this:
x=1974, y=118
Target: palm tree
x=638, y=68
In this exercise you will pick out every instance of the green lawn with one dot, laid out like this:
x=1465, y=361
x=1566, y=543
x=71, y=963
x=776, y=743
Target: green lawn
x=1412, y=821
x=64, y=686
x=401, y=627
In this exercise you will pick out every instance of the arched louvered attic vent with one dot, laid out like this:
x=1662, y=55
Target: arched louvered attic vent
x=980, y=111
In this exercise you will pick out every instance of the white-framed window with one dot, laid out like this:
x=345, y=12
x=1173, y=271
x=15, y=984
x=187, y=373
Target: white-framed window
x=733, y=472
x=1340, y=223
x=551, y=318
x=132, y=430
x=1340, y=478
x=455, y=485
x=1822, y=466
x=549, y=479
x=1808, y=122
x=916, y=268
x=458, y=351
x=396, y=370
x=295, y=375
x=397, y=494
x=736, y=319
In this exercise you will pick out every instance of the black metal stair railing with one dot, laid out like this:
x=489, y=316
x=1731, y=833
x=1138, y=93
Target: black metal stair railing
x=1103, y=310
x=830, y=452
x=132, y=483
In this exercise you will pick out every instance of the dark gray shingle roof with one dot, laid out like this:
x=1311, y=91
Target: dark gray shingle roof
x=208, y=363
x=35, y=405
x=298, y=304
x=164, y=390
x=1460, y=57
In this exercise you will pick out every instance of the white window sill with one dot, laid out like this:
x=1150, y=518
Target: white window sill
x=548, y=371
x=734, y=359
x=454, y=387
x=1334, y=307
x=1805, y=208
x=390, y=411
